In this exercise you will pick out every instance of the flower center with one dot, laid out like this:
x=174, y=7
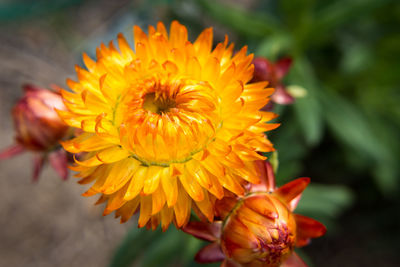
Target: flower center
x=158, y=103
x=168, y=120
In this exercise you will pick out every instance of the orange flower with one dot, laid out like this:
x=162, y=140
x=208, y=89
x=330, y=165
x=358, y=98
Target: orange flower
x=258, y=229
x=168, y=126
x=39, y=129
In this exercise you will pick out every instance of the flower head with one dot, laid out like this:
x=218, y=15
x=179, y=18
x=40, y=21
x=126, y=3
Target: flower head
x=167, y=126
x=265, y=70
x=39, y=129
x=260, y=228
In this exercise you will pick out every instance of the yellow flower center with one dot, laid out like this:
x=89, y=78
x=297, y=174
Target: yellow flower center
x=157, y=104
x=169, y=119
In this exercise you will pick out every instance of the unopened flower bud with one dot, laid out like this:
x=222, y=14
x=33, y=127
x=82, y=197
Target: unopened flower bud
x=37, y=125
x=258, y=229
x=265, y=70
x=39, y=129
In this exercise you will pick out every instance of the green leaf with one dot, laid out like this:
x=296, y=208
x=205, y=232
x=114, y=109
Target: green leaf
x=386, y=176
x=133, y=245
x=163, y=249
x=325, y=200
x=190, y=246
x=274, y=45
x=246, y=23
x=148, y=248
x=274, y=160
x=387, y=170
x=291, y=151
x=351, y=126
x=11, y=10
x=307, y=109
x=341, y=11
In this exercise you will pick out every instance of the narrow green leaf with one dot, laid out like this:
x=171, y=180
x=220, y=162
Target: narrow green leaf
x=246, y=23
x=164, y=250
x=12, y=10
x=341, y=11
x=307, y=109
x=386, y=176
x=133, y=245
x=274, y=45
x=351, y=126
x=325, y=200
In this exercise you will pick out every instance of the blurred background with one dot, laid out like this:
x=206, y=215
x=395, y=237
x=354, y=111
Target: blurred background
x=343, y=132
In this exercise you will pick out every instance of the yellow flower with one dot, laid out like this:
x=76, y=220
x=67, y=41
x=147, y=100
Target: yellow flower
x=168, y=126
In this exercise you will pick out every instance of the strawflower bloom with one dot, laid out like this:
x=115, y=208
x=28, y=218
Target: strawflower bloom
x=265, y=70
x=260, y=228
x=167, y=126
x=39, y=129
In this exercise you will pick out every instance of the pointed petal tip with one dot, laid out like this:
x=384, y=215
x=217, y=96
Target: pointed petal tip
x=11, y=151
x=210, y=253
x=282, y=66
x=308, y=228
x=38, y=162
x=294, y=261
x=59, y=162
x=267, y=177
x=202, y=230
x=293, y=189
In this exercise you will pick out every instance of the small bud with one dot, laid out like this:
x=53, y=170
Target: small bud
x=265, y=70
x=39, y=129
x=261, y=228
x=36, y=123
x=258, y=229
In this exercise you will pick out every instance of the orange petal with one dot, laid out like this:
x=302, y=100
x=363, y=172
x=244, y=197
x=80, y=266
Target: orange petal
x=307, y=228
x=145, y=210
x=182, y=207
x=267, y=177
x=158, y=200
x=169, y=184
x=206, y=206
x=167, y=215
x=292, y=190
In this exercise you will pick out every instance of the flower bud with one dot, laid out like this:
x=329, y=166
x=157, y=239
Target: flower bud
x=36, y=123
x=265, y=70
x=258, y=229
x=39, y=129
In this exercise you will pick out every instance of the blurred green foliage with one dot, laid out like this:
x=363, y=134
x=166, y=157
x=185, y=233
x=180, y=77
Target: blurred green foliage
x=154, y=248
x=21, y=9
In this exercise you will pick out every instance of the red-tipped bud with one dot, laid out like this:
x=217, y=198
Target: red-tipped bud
x=37, y=124
x=265, y=70
x=38, y=128
x=260, y=229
